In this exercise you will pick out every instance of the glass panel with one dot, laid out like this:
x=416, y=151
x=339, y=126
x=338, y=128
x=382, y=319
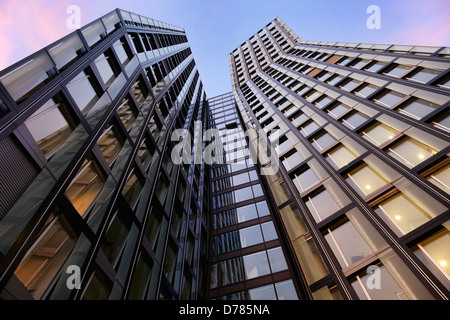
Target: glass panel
x=441, y=178
x=277, y=260
x=424, y=75
x=340, y=156
x=105, y=65
x=256, y=265
x=310, y=259
x=347, y=244
x=327, y=293
x=286, y=290
x=109, y=144
x=398, y=71
x=85, y=187
x=379, y=133
x=44, y=260
x=411, y=152
x=390, y=98
x=376, y=66
x=292, y=161
x=390, y=290
x=97, y=289
x=269, y=231
x=263, y=209
x=67, y=51
x=262, y=293
x=404, y=212
x=132, y=190
x=250, y=236
x=305, y=180
x=366, y=90
x=243, y=194
x=50, y=126
x=123, y=52
x=323, y=141
x=114, y=239
x=338, y=110
x=322, y=205
x=82, y=91
x=126, y=114
x=366, y=180
x=418, y=108
x=93, y=33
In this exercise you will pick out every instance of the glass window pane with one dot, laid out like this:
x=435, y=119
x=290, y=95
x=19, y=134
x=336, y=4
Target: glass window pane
x=243, y=194
x=256, y=265
x=365, y=180
x=262, y=293
x=322, y=205
x=340, y=157
x=126, y=114
x=250, y=236
x=424, y=75
x=418, y=108
x=366, y=90
x=82, y=91
x=277, y=260
x=109, y=144
x=403, y=212
x=246, y=213
x=441, y=178
x=114, y=239
x=379, y=133
x=43, y=262
x=240, y=179
x=98, y=288
x=132, y=190
x=286, y=290
x=292, y=161
x=269, y=231
x=85, y=187
x=390, y=98
x=347, y=244
x=398, y=70
x=263, y=209
x=354, y=120
x=323, y=141
x=411, y=152
x=104, y=66
x=50, y=126
x=305, y=180
x=338, y=110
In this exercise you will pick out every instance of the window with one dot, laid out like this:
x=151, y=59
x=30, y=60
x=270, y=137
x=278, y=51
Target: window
x=269, y=231
x=308, y=128
x=123, y=51
x=250, y=236
x=366, y=90
x=340, y=156
x=107, y=67
x=403, y=212
x=304, y=179
x=51, y=125
x=110, y=143
x=246, y=213
x=441, y=178
x=98, y=288
x=379, y=133
x=333, y=80
x=291, y=161
x=127, y=113
x=322, y=205
x=337, y=110
x=442, y=121
x=85, y=187
x=323, y=141
x=277, y=260
x=350, y=84
x=410, y=152
x=132, y=189
x=114, y=239
x=389, y=98
x=84, y=89
x=346, y=243
x=397, y=70
x=354, y=120
x=140, y=280
x=43, y=261
x=423, y=75
x=417, y=108
x=365, y=180
x=256, y=265
x=375, y=66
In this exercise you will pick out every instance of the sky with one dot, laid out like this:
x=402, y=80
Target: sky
x=216, y=27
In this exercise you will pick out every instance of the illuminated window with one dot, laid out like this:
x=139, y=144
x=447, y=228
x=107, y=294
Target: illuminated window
x=379, y=133
x=410, y=152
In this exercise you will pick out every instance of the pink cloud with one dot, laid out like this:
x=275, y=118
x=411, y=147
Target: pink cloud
x=25, y=31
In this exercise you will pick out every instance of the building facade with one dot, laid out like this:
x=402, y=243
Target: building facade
x=363, y=186
x=91, y=205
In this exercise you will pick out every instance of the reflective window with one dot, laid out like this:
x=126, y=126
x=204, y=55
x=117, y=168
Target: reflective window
x=114, y=239
x=126, y=113
x=85, y=187
x=132, y=190
x=410, y=152
x=322, y=205
x=243, y=194
x=379, y=133
x=389, y=98
x=402, y=211
x=398, y=70
x=323, y=141
x=346, y=243
x=418, y=108
x=338, y=110
x=304, y=179
x=286, y=290
x=256, y=265
x=366, y=90
x=292, y=160
x=140, y=280
x=82, y=90
x=374, y=67
x=277, y=260
x=246, y=213
x=354, y=120
x=340, y=156
x=423, y=75
x=98, y=288
x=123, y=51
x=442, y=122
x=42, y=263
x=110, y=143
x=107, y=67
x=365, y=180
x=269, y=231
x=262, y=293
x=441, y=178
x=51, y=125
x=250, y=236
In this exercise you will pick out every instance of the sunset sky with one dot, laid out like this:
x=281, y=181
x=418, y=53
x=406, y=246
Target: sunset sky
x=216, y=27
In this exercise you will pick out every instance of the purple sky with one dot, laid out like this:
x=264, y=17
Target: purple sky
x=216, y=27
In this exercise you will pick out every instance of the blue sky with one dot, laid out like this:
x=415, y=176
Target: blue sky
x=216, y=27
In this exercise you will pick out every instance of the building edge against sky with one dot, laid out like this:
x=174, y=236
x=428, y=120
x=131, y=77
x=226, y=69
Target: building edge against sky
x=357, y=210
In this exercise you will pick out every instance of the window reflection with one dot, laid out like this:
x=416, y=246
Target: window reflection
x=379, y=133
x=51, y=125
x=410, y=152
x=110, y=143
x=84, y=90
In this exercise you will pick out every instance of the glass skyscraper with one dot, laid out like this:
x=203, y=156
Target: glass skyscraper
x=93, y=204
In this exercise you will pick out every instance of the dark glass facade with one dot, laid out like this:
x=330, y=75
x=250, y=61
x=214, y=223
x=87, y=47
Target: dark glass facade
x=86, y=176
